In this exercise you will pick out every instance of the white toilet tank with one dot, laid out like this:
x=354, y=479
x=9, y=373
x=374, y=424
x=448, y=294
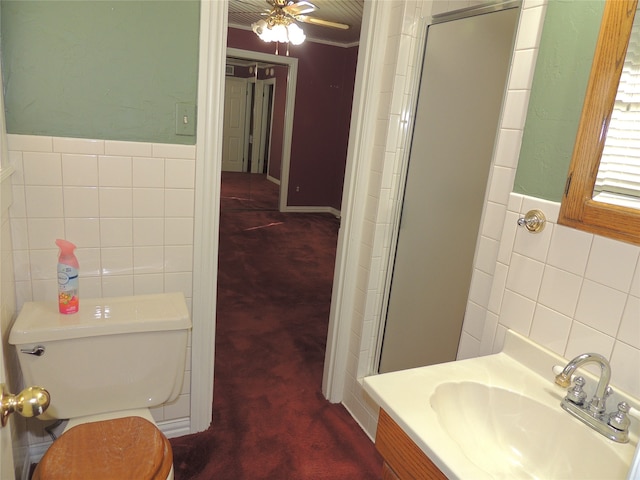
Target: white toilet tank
x=114, y=354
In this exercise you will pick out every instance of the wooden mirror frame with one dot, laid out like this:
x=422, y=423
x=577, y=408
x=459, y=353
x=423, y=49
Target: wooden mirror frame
x=578, y=209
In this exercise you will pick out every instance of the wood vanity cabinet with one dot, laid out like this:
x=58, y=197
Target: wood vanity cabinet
x=403, y=459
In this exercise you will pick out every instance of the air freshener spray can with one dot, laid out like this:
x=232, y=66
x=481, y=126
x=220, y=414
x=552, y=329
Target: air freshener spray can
x=68, y=291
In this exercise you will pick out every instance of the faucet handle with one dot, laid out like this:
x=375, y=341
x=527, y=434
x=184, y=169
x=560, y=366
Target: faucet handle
x=620, y=420
x=576, y=394
x=597, y=406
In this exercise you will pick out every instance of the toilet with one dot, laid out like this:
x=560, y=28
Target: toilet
x=104, y=368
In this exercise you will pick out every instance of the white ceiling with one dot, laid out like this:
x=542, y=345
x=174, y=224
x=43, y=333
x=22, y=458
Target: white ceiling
x=242, y=13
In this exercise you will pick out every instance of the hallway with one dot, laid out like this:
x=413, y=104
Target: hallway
x=270, y=420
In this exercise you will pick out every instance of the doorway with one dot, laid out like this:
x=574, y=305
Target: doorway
x=269, y=131
x=213, y=35
x=248, y=117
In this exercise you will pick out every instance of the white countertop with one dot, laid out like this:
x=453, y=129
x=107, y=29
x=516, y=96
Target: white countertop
x=522, y=367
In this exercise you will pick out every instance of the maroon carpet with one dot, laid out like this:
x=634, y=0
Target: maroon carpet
x=270, y=420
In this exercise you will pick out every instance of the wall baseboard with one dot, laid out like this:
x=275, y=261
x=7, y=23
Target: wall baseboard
x=313, y=209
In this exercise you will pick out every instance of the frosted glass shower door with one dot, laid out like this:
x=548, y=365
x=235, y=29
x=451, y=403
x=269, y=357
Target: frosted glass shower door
x=465, y=68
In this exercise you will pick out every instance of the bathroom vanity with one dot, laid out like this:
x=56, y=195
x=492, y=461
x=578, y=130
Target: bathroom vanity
x=402, y=457
x=497, y=416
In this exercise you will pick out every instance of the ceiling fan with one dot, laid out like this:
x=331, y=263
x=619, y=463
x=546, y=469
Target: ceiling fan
x=279, y=24
x=298, y=10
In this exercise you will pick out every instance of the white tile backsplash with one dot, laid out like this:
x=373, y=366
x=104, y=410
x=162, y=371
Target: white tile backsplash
x=116, y=261
x=508, y=147
x=148, y=172
x=530, y=26
x=612, y=262
x=560, y=290
x=179, y=173
x=149, y=202
x=129, y=149
x=43, y=232
x=117, y=285
x=42, y=168
x=148, y=259
x=30, y=143
x=79, y=170
x=525, y=276
x=550, y=329
x=165, y=150
x=521, y=69
x=115, y=171
x=517, y=312
x=178, y=231
x=116, y=202
x=635, y=283
x=78, y=145
x=585, y=300
x=148, y=231
x=116, y=232
x=44, y=201
x=152, y=283
x=584, y=339
x=178, y=202
x=83, y=190
x=600, y=307
x=569, y=249
x=514, y=113
x=81, y=202
x=629, y=331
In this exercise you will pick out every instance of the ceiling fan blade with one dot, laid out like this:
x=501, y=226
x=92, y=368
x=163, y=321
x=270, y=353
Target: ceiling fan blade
x=322, y=23
x=299, y=8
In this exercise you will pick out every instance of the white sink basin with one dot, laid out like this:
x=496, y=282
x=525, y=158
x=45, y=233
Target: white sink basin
x=520, y=437
x=499, y=417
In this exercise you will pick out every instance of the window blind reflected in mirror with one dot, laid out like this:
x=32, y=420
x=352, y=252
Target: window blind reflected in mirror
x=618, y=180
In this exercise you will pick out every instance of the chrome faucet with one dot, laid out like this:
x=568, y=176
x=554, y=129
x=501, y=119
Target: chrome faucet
x=614, y=426
x=597, y=403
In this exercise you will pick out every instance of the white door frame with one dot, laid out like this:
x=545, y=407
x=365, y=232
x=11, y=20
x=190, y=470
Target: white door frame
x=211, y=82
x=256, y=116
x=212, y=61
x=263, y=117
x=247, y=122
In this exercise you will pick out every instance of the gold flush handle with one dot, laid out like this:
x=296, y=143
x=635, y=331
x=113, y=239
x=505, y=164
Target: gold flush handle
x=534, y=221
x=30, y=402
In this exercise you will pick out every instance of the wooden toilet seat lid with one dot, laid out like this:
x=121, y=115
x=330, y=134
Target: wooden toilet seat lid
x=123, y=448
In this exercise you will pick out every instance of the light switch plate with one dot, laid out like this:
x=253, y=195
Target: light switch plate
x=185, y=119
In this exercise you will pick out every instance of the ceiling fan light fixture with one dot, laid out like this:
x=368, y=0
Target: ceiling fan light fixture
x=296, y=34
x=259, y=27
x=278, y=29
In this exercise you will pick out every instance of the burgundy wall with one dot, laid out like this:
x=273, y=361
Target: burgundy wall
x=326, y=77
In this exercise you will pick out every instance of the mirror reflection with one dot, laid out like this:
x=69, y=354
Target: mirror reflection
x=253, y=134
x=618, y=179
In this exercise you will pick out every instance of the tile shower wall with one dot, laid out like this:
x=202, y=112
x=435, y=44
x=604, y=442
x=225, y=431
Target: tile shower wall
x=395, y=100
x=129, y=208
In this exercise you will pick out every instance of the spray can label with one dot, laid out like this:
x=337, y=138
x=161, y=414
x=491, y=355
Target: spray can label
x=68, y=301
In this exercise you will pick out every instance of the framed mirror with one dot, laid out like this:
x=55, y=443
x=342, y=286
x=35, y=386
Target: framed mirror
x=583, y=206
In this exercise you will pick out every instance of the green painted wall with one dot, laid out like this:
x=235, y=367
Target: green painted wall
x=99, y=69
x=559, y=84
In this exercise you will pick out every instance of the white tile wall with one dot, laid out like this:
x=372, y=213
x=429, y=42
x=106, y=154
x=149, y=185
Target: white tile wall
x=585, y=299
x=129, y=208
x=108, y=199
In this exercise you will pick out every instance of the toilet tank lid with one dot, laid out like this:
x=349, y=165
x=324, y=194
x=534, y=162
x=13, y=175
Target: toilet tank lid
x=41, y=321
